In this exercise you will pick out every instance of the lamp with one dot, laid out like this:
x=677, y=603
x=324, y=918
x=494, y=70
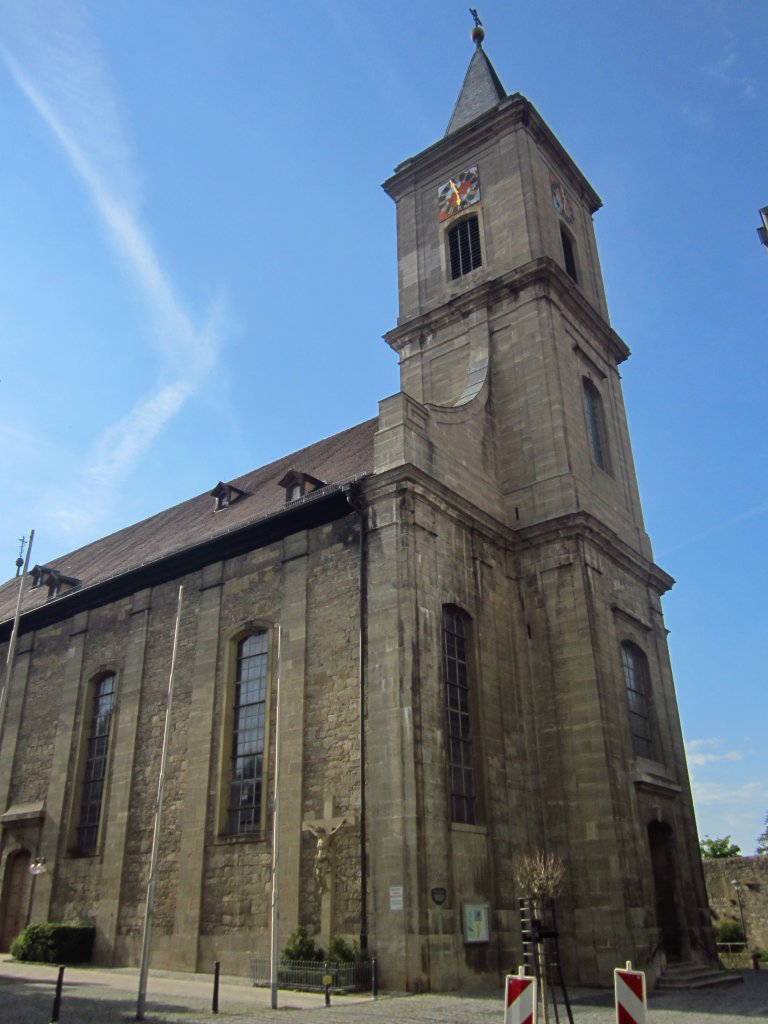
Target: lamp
x=38, y=866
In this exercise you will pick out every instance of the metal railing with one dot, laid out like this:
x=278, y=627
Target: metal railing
x=310, y=975
x=731, y=947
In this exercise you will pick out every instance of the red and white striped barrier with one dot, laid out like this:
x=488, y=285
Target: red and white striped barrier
x=520, y=1003
x=631, y=1004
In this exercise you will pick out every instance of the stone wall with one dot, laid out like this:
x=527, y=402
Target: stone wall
x=752, y=874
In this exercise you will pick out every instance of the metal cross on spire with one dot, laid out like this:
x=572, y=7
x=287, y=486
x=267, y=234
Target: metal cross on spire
x=20, y=559
x=478, y=32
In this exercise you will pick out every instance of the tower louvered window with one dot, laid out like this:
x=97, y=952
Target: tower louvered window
x=96, y=762
x=464, y=247
x=248, y=723
x=459, y=728
x=569, y=257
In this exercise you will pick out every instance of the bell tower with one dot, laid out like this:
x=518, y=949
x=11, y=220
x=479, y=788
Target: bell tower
x=504, y=498
x=501, y=304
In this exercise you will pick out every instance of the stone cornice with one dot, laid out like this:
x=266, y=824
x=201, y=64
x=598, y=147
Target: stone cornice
x=539, y=278
x=573, y=525
x=426, y=487
x=584, y=524
x=514, y=112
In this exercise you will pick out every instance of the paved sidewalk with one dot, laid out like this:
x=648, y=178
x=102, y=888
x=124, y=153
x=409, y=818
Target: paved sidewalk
x=95, y=995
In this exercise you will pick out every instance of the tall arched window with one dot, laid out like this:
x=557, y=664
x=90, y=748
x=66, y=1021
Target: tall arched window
x=248, y=725
x=464, y=247
x=637, y=681
x=458, y=723
x=95, y=767
x=596, y=432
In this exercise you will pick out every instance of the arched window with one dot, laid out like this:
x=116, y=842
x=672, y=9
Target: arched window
x=569, y=256
x=596, y=432
x=458, y=724
x=247, y=742
x=102, y=703
x=464, y=247
x=637, y=682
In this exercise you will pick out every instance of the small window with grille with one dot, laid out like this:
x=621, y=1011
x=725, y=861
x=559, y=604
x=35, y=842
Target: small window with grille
x=464, y=247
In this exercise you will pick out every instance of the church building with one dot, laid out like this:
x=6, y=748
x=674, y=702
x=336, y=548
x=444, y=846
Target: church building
x=439, y=632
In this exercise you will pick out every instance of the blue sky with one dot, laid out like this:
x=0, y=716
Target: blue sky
x=197, y=265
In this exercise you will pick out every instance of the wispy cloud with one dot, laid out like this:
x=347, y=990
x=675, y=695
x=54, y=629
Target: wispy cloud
x=698, y=117
x=55, y=61
x=701, y=752
x=726, y=71
x=724, y=524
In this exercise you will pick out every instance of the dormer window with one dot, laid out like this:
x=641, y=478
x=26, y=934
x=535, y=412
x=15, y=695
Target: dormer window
x=298, y=485
x=55, y=581
x=225, y=495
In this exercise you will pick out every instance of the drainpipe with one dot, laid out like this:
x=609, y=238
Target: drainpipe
x=362, y=590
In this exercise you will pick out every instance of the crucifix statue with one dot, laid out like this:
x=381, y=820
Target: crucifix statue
x=324, y=829
x=323, y=853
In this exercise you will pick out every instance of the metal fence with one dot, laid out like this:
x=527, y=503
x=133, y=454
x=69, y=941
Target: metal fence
x=310, y=975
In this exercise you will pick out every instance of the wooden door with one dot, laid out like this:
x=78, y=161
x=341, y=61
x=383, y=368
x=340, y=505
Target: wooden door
x=13, y=906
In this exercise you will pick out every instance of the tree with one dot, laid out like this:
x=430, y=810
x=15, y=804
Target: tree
x=716, y=848
x=762, y=841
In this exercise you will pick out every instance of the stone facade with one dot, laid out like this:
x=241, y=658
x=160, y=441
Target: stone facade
x=752, y=875
x=481, y=490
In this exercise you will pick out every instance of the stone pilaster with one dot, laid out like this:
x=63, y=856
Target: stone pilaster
x=129, y=698
x=53, y=836
x=293, y=625
x=187, y=922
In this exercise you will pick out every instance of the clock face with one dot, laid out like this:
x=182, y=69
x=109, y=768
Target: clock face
x=560, y=200
x=458, y=193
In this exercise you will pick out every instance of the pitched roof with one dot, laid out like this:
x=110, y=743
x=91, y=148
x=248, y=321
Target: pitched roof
x=480, y=91
x=334, y=460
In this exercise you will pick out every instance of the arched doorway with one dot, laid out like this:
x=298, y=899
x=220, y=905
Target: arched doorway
x=665, y=884
x=13, y=905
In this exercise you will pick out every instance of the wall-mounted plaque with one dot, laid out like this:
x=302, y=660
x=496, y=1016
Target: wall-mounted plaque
x=477, y=922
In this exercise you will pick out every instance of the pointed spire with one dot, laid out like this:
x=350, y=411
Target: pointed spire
x=482, y=88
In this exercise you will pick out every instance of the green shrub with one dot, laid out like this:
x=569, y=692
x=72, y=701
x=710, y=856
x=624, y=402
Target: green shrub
x=55, y=943
x=341, y=952
x=301, y=946
x=729, y=931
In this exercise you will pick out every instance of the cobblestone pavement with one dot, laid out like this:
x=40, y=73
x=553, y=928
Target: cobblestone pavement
x=102, y=996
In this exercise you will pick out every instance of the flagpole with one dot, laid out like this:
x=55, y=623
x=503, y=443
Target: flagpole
x=156, y=835
x=14, y=635
x=275, y=915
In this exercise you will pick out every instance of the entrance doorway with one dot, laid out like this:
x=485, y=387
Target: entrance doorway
x=13, y=905
x=664, y=880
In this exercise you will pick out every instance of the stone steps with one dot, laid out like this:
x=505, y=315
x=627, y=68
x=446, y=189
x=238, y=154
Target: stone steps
x=691, y=975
